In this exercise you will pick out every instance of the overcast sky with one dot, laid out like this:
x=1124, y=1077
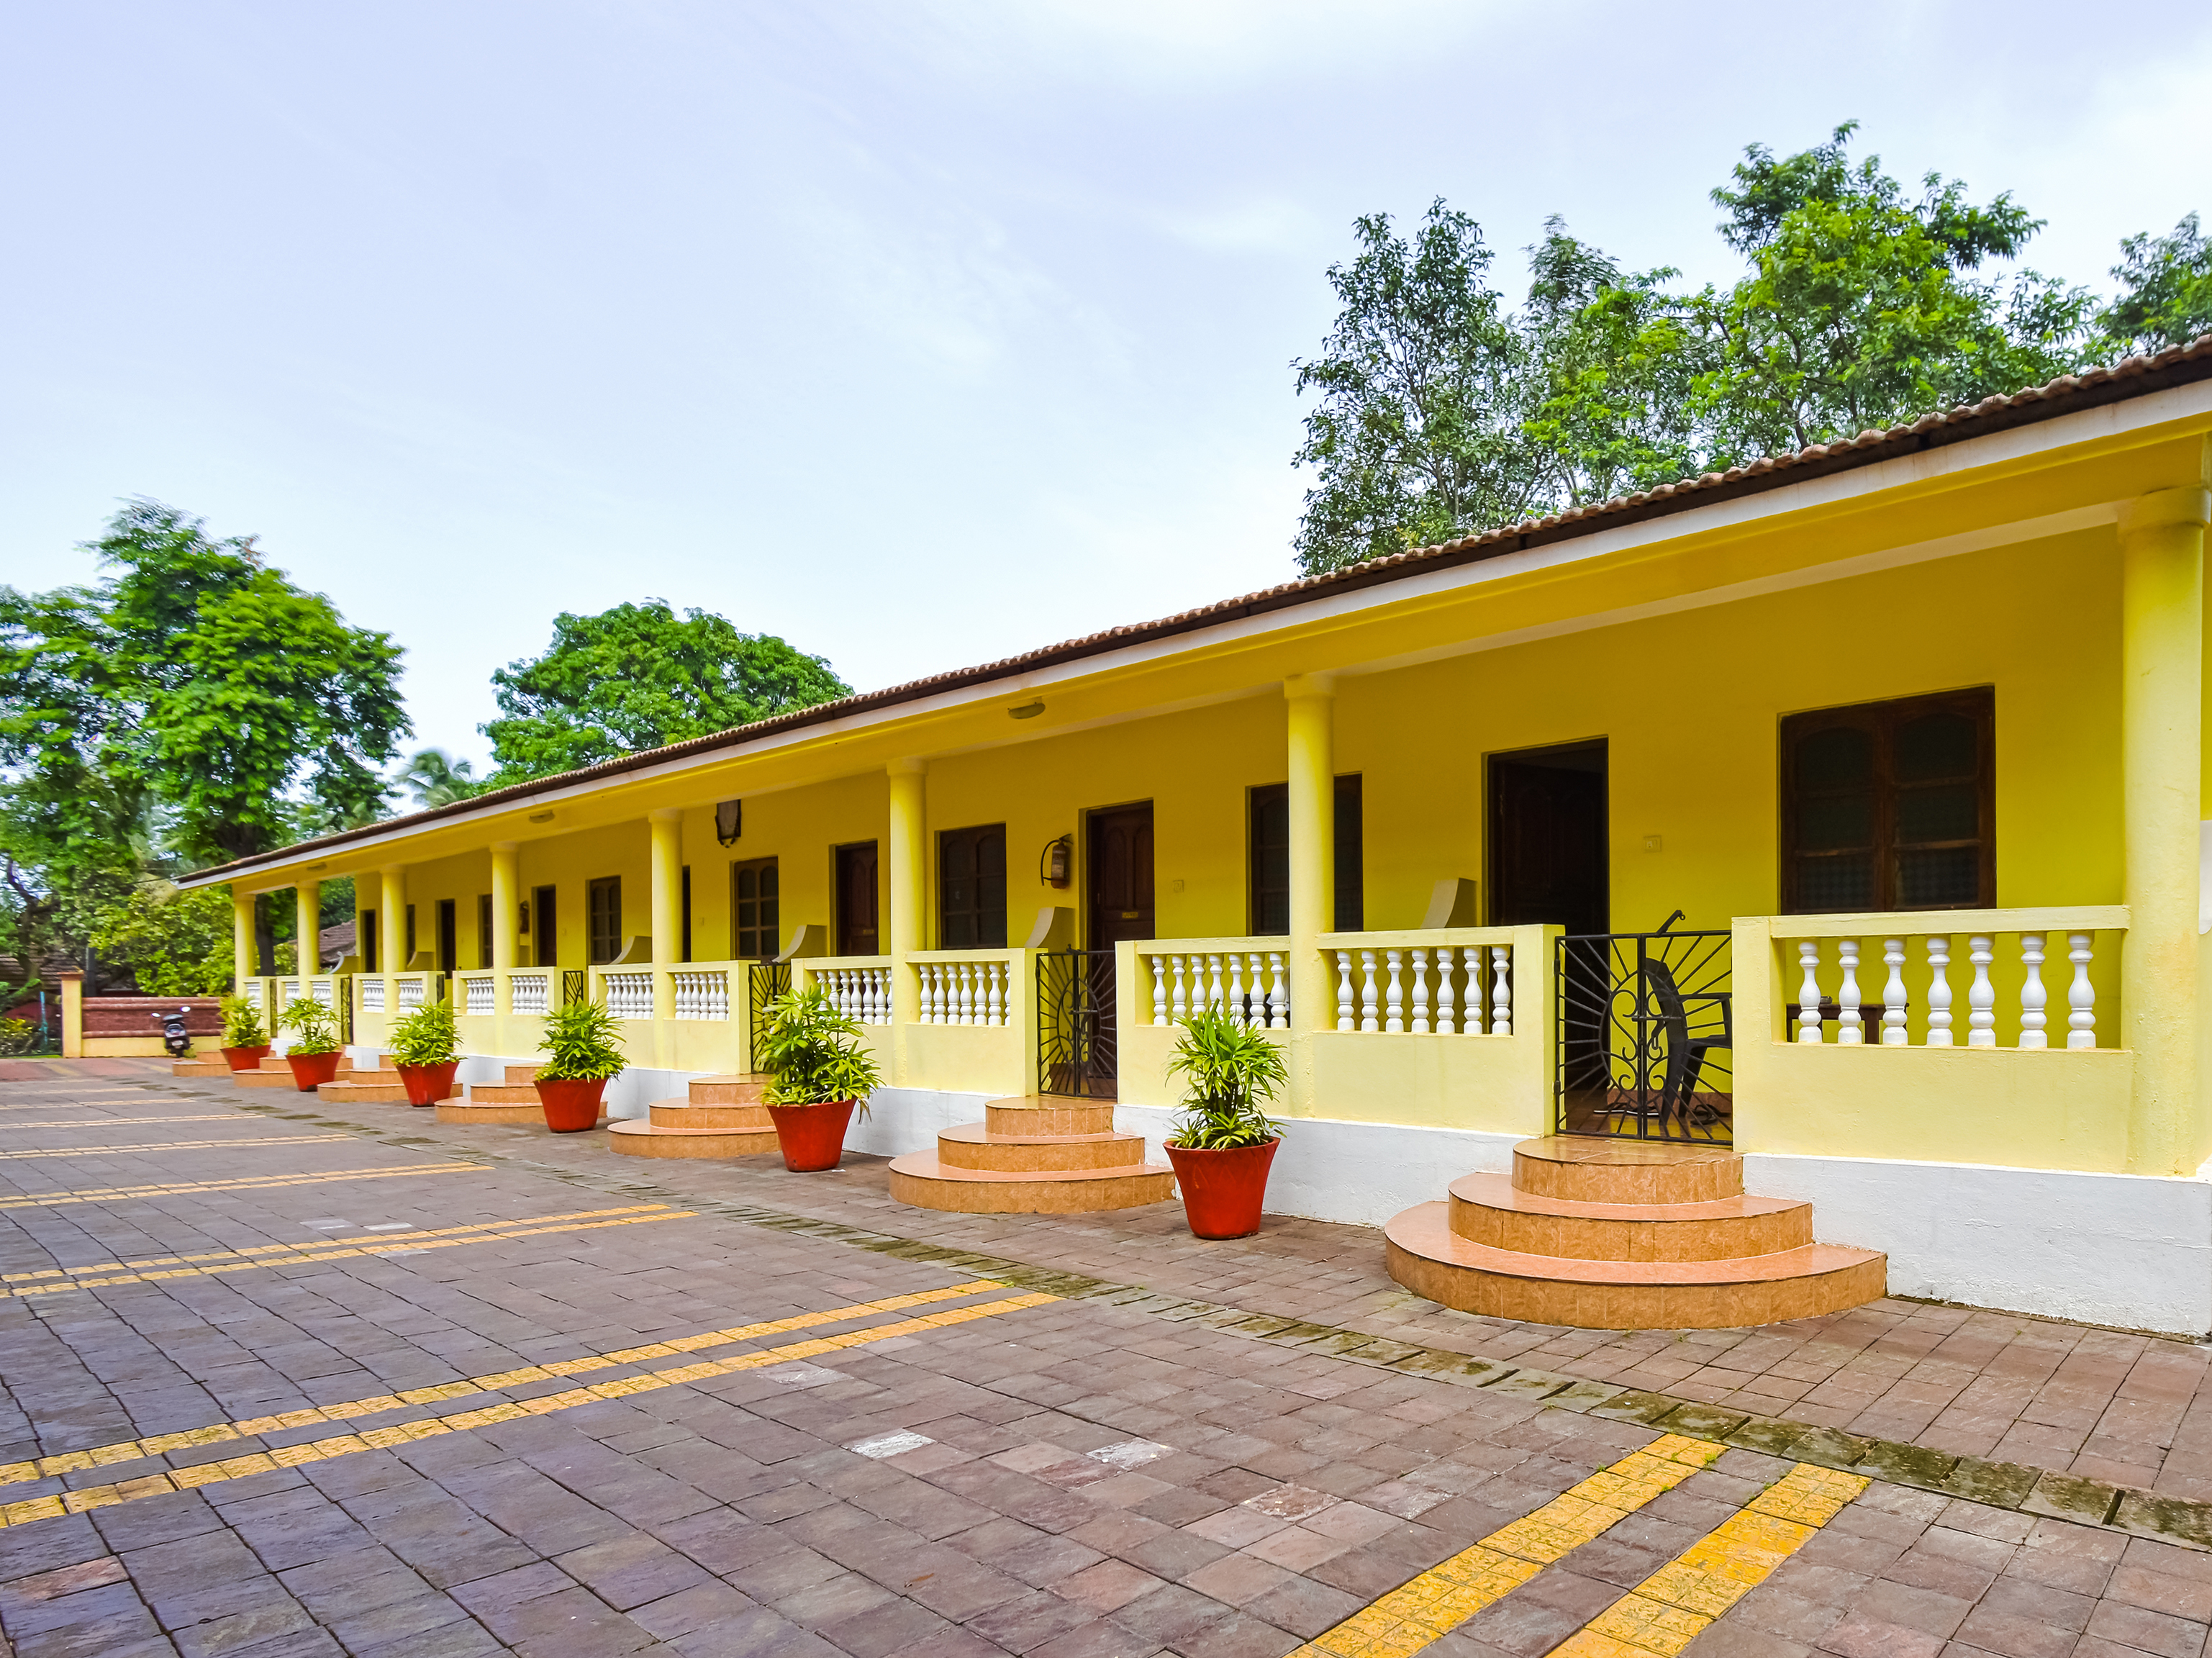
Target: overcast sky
x=917, y=333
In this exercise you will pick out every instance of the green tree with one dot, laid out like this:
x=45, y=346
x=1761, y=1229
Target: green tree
x=2165, y=292
x=192, y=690
x=434, y=778
x=173, y=943
x=639, y=677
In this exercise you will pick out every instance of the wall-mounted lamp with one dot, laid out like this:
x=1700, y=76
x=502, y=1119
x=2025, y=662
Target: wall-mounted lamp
x=1029, y=710
x=541, y=817
x=729, y=820
x=1052, y=864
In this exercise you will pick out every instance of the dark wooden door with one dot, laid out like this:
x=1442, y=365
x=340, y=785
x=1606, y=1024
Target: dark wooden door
x=1549, y=859
x=449, y=952
x=856, y=900
x=1121, y=876
x=544, y=927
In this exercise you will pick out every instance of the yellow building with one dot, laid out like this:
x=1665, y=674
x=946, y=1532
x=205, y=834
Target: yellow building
x=1906, y=729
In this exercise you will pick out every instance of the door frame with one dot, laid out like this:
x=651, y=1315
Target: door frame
x=1489, y=896
x=1082, y=864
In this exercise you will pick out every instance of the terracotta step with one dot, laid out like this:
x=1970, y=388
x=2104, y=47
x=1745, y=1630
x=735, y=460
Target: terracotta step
x=265, y=1078
x=1429, y=1258
x=472, y=1110
x=216, y=1067
x=1047, y=1115
x=727, y=1091
x=276, y=1062
x=922, y=1180
x=1585, y=1169
x=655, y=1139
x=521, y=1076
x=969, y=1146
x=503, y=1093
x=364, y=1093
x=1485, y=1209
x=721, y=1119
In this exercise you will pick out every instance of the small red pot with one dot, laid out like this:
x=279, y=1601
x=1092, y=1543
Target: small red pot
x=246, y=1058
x=426, y=1084
x=311, y=1071
x=571, y=1107
x=812, y=1136
x=1222, y=1190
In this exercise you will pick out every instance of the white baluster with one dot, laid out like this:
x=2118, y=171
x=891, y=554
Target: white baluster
x=968, y=993
x=1159, y=967
x=1256, y=997
x=1809, y=992
x=2033, y=997
x=1850, y=1028
x=1981, y=995
x=1181, y=999
x=1420, y=992
x=1344, y=1021
x=1446, y=1022
x=1369, y=988
x=1278, y=999
x=998, y=1003
x=1237, y=986
x=1501, y=990
x=925, y=977
x=1939, y=992
x=1893, y=994
x=2081, y=995
x=1394, y=996
x=1213, y=996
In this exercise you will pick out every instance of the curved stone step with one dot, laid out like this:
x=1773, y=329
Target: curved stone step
x=360, y=1093
x=651, y=1139
x=721, y=1119
x=465, y=1111
x=1035, y=1114
x=1586, y=1168
x=919, y=1179
x=503, y=1093
x=734, y=1089
x=1485, y=1209
x=214, y=1068
x=265, y=1078
x=275, y=1062
x=971, y=1146
x=1430, y=1258
x=521, y=1076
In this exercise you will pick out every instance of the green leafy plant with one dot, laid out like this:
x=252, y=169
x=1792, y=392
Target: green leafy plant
x=585, y=1041
x=17, y=1035
x=1230, y=1070
x=241, y=1024
x=315, y=1030
x=427, y=1036
x=812, y=1053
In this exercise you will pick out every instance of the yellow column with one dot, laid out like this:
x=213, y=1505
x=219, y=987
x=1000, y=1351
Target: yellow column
x=1312, y=801
x=392, y=919
x=307, y=920
x=506, y=897
x=72, y=989
x=909, y=867
x=2161, y=717
x=668, y=826
x=241, y=939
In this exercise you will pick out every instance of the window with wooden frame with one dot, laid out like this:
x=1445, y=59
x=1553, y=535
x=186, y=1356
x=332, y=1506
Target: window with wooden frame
x=1891, y=805
x=364, y=939
x=753, y=915
x=1269, y=863
x=603, y=913
x=971, y=888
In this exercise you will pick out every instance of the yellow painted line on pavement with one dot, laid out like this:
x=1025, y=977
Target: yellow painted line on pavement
x=54, y=1281
x=119, y=1122
x=291, y=1456
x=1675, y=1605
x=498, y=1381
x=169, y=1145
x=1417, y=1613
x=248, y=1183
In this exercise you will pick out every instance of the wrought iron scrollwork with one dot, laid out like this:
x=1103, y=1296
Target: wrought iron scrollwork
x=1076, y=1043
x=1646, y=1026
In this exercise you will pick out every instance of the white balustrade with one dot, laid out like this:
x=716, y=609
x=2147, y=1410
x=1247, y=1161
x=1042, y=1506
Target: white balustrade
x=701, y=995
x=477, y=992
x=862, y=994
x=411, y=992
x=527, y=994
x=1425, y=991
x=629, y=995
x=1250, y=986
x=2029, y=1001
x=965, y=992
x=323, y=992
x=372, y=994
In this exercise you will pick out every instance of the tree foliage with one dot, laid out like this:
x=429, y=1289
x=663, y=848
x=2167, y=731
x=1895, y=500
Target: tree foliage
x=639, y=677
x=1441, y=411
x=172, y=942
x=434, y=778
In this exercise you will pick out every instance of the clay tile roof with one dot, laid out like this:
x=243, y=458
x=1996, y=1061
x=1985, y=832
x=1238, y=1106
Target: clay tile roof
x=2132, y=377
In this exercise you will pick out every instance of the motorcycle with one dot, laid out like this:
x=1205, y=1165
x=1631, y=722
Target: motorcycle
x=173, y=1035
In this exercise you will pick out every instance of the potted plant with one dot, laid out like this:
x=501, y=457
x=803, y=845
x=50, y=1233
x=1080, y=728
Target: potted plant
x=818, y=1072
x=584, y=1040
x=245, y=1043
x=313, y=1054
x=1225, y=1141
x=425, y=1046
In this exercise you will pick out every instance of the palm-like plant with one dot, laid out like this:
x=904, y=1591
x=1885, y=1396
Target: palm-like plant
x=585, y=1041
x=1230, y=1070
x=812, y=1053
x=436, y=779
x=427, y=1037
x=241, y=1024
x=316, y=1029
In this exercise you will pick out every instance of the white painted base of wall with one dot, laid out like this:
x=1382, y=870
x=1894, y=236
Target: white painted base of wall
x=2133, y=1250
x=904, y=1120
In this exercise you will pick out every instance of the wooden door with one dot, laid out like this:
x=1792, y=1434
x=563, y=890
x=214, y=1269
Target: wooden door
x=1120, y=859
x=449, y=952
x=856, y=900
x=1548, y=860
x=545, y=938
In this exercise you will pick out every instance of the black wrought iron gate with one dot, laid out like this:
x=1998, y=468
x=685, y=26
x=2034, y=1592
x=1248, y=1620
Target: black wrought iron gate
x=1645, y=1033
x=1075, y=1024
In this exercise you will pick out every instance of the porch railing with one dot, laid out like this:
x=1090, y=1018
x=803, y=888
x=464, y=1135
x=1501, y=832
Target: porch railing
x=859, y=987
x=966, y=987
x=1456, y=980
x=1245, y=978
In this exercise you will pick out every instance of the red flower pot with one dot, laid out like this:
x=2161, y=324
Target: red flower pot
x=246, y=1058
x=571, y=1107
x=311, y=1071
x=426, y=1084
x=1222, y=1190
x=812, y=1136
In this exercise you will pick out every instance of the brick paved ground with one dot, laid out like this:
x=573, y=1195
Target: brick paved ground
x=1096, y=1479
